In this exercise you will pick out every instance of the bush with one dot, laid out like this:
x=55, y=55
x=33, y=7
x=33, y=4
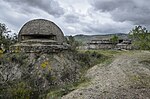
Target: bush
x=141, y=37
x=90, y=58
x=20, y=91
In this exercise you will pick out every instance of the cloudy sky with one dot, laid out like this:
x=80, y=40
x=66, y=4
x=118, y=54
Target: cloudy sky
x=78, y=16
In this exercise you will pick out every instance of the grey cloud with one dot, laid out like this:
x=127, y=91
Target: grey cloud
x=10, y=18
x=107, y=28
x=50, y=6
x=70, y=18
x=21, y=11
x=99, y=28
x=110, y=5
x=135, y=11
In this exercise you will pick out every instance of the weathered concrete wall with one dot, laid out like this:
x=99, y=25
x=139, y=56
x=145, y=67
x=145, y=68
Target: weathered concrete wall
x=100, y=46
x=41, y=27
x=39, y=48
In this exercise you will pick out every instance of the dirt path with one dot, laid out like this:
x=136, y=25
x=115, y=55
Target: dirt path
x=127, y=77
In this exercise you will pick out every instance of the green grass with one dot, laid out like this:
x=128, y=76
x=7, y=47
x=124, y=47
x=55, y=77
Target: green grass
x=91, y=58
x=104, y=52
x=140, y=81
x=58, y=92
x=145, y=59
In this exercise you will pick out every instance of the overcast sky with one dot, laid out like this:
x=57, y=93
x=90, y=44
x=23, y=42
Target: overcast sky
x=78, y=16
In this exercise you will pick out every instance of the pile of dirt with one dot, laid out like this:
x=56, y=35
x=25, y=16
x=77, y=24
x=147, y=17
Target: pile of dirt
x=128, y=76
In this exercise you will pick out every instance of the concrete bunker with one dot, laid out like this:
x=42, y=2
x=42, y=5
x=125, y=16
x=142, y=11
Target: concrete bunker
x=40, y=35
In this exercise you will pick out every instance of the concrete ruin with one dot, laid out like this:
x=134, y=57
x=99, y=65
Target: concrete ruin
x=107, y=44
x=125, y=44
x=40, y=35
x=100, y=44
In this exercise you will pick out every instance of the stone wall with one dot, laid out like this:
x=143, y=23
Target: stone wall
x=100, y=46
x=38, y=49
x=109, y=46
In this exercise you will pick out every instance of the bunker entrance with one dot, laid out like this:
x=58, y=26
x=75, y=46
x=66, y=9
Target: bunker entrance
x=42, y=37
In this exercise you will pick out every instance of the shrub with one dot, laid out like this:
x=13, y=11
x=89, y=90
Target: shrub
x=90, y=58
x=18, y=90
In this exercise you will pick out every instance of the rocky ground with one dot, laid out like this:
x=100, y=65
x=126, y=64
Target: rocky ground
x=33, y=75
x=74, y=75
x=127, y=77
x=43, y=75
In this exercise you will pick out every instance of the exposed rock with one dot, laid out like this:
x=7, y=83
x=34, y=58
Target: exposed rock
x=39, y=71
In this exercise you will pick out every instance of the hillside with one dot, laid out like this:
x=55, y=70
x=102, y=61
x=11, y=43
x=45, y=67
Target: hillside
x=41, y=75
x=86, y=38
x=127, y=77
x=93, y=74
x=32, y=75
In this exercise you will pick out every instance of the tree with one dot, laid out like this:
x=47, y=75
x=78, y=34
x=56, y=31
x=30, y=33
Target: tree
x=114, y=39
x=5, y=39
x=71, y=41
x=3, y=30
x=140, y=37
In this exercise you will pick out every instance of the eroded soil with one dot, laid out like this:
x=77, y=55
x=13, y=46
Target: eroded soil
x=127, y=77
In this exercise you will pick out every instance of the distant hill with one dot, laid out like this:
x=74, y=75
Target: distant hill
x=86, y=38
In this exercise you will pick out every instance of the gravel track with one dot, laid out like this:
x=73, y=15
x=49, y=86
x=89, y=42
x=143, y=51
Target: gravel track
x=127, y=77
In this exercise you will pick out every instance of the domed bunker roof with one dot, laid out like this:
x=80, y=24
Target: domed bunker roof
x=41, y=29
